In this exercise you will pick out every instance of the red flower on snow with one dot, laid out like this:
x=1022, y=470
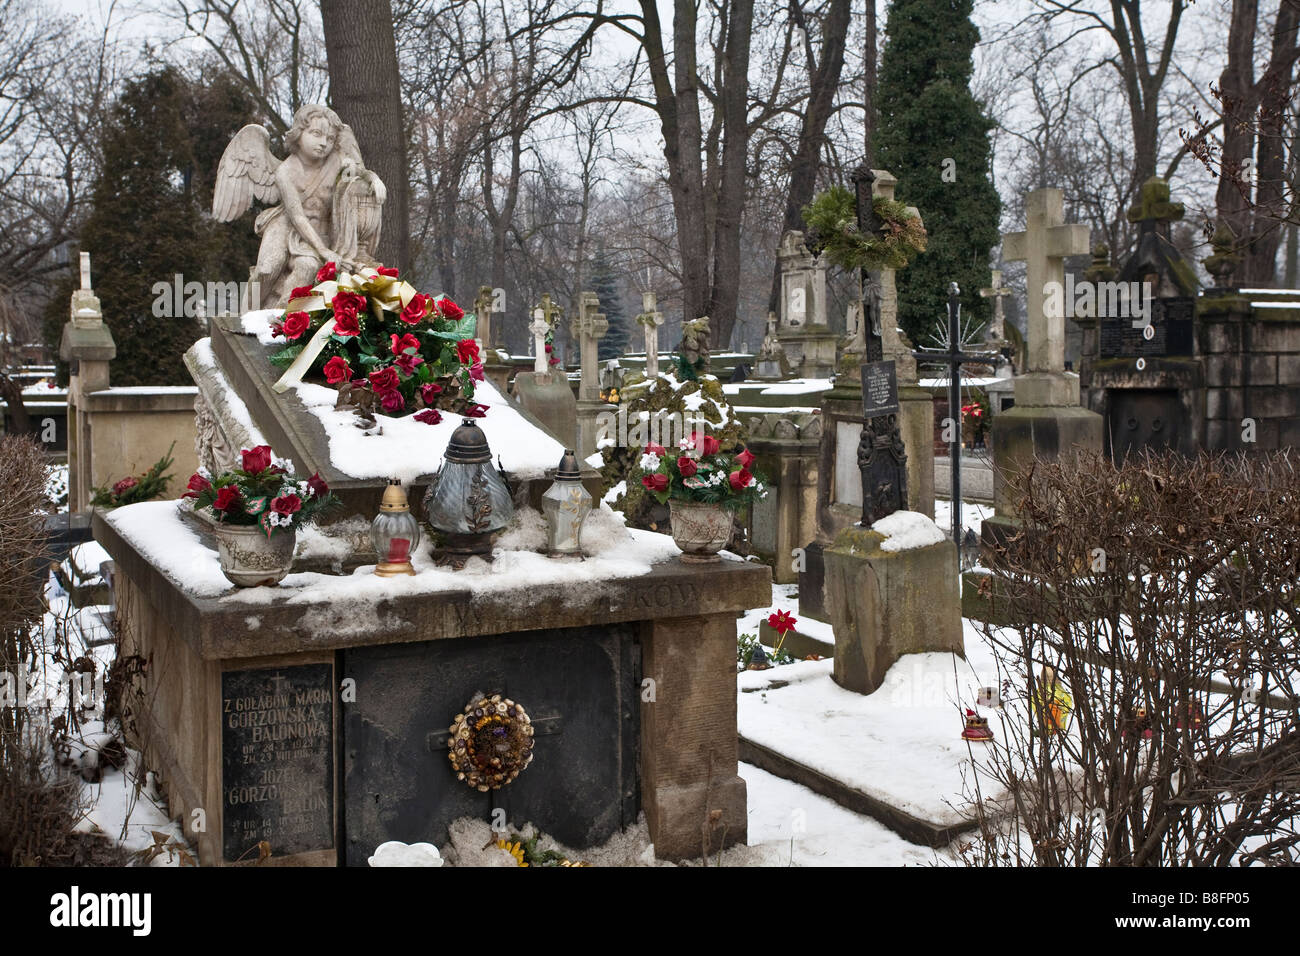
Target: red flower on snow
x=782, y=621
x=327, y=272
x=476, y=410
x=338, y=371
x=430, y=416
x=255, y=461
x=392, y=401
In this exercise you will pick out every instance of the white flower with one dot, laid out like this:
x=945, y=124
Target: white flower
x=686, y=443
x=284, y=463
x=303, y=489
x=204, y=473
x=649, y=462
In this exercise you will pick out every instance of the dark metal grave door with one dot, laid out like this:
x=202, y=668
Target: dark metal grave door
x=580, y=687
x=1143, y=418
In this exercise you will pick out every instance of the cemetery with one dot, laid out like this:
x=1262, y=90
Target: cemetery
x=425, y=550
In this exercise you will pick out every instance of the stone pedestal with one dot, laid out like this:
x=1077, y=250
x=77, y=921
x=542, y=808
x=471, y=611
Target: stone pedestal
x=811, y=351
x=787, y=448
x=550, y=400
x=317, y=722
x=884, y=604
x=592, y=422
x=87, y=346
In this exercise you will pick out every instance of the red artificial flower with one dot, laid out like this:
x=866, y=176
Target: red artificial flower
x=316, y=485
x=652, y=449
x=549, y=350
x=430, y=392
x=740, y=479
x=387, y=271
x=450, y=310
x=300, y=292
x=745, y=458
x=346, y=324
x=287, y=504
x=338, y=371
x=256, y=461
x=197, y=484
x=467, y=351
x=392, y=401
x=403, y=342
x=476, y=372
x=125, y=485
x=476, y=410
x=327, y=272
x=407, y=363
x=415, y=310
x=295, y=324
x=227, y=499
x=384, y=380
x=655, y=482
x=705, y=444
x=430, y=416
x=345, y=301
x=554, y=360
x=782, y=621
x=686, y=466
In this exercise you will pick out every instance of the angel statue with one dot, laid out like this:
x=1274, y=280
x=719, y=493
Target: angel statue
x=329, y=204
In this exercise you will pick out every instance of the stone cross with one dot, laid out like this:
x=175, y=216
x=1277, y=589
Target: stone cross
x=1044, y=246
x=539, y=327
x=803, y=283
x=483, y=315
x=894, y=345
x=651, y=318
x=589, y=327
x=998, y=291
x=85, y=271
x=86, y=312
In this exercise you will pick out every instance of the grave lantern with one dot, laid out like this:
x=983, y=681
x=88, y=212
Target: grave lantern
x=468, y=500
x=566, y=505
x=394, y=532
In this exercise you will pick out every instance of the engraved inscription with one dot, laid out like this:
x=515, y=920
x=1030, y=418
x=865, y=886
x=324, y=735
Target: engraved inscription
x=277, y=746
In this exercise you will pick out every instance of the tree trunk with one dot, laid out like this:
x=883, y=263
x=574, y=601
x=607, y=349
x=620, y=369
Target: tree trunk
x=12, y=395
x=731, y=192
x=1236, y=87
x=685, y=171
x=823, y=83
x=871, y=60
x=1274, y=87
x=365, y=90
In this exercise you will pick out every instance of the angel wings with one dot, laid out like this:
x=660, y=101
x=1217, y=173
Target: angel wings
x=325, y=206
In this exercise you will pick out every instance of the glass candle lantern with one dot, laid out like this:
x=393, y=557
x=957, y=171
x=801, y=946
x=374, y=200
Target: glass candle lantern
x=394, y=532
x=468, y=501
x=566, y=505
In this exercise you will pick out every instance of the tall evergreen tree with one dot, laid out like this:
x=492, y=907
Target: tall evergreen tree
x=933, y=135
x=604, y=282
x=150, y=221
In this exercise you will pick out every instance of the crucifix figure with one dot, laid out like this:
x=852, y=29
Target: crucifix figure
x=483, y=317
x=651, y=318
x=539, y=327
x=589, y=327
x=1044, y=246
x=882, y=457
x=998, y=292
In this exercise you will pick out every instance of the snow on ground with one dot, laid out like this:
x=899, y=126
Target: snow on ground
x=972, y=515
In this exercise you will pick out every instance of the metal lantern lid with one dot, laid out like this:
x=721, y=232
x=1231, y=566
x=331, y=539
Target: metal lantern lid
x=568, y=467
x=468, y=445
x=394, y=497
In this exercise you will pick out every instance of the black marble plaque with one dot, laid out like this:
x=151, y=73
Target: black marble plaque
x=879, y=389
x=1171, y=332
x=277, y=760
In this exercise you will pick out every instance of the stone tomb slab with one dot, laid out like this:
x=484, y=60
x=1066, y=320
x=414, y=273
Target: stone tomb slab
x=418, y=649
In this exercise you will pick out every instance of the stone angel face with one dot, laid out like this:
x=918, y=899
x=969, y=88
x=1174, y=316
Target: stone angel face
x=325, y=206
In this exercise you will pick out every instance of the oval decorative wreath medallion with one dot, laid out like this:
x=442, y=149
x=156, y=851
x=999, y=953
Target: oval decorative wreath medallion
x=491, y=742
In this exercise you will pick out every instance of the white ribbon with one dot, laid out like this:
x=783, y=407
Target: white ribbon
x=294, y=373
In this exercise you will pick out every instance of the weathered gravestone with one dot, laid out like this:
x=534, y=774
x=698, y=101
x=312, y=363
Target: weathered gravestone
x=545, y=392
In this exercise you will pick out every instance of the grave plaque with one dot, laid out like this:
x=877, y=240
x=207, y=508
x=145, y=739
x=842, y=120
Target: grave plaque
x=879, y=388
x=277, y=760
x=1171, y=332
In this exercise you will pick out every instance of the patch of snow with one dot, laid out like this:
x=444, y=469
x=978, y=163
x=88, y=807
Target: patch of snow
x=235, y=406
x=905, y=530
x=1275, y=305
x=149, y=390
x=616, y=492
x=171, y=545
x=396, y=853
x=972, y=515
x=401, y=447
x=258, y=322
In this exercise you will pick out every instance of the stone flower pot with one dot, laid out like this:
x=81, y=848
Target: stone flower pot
x=700, y=530
x=250, y=559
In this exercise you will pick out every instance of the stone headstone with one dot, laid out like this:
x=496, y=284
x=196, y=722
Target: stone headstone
x=650, y=320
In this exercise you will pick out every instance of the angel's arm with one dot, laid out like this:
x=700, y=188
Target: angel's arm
x=292, y=203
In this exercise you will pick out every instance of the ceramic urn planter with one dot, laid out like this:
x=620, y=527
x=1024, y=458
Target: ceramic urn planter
x=250, y=559
x=700, y=530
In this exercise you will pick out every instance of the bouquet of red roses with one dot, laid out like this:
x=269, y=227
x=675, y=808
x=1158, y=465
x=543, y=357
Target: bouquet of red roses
x=701, y=472
x=385, y=346
x=263, y=492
